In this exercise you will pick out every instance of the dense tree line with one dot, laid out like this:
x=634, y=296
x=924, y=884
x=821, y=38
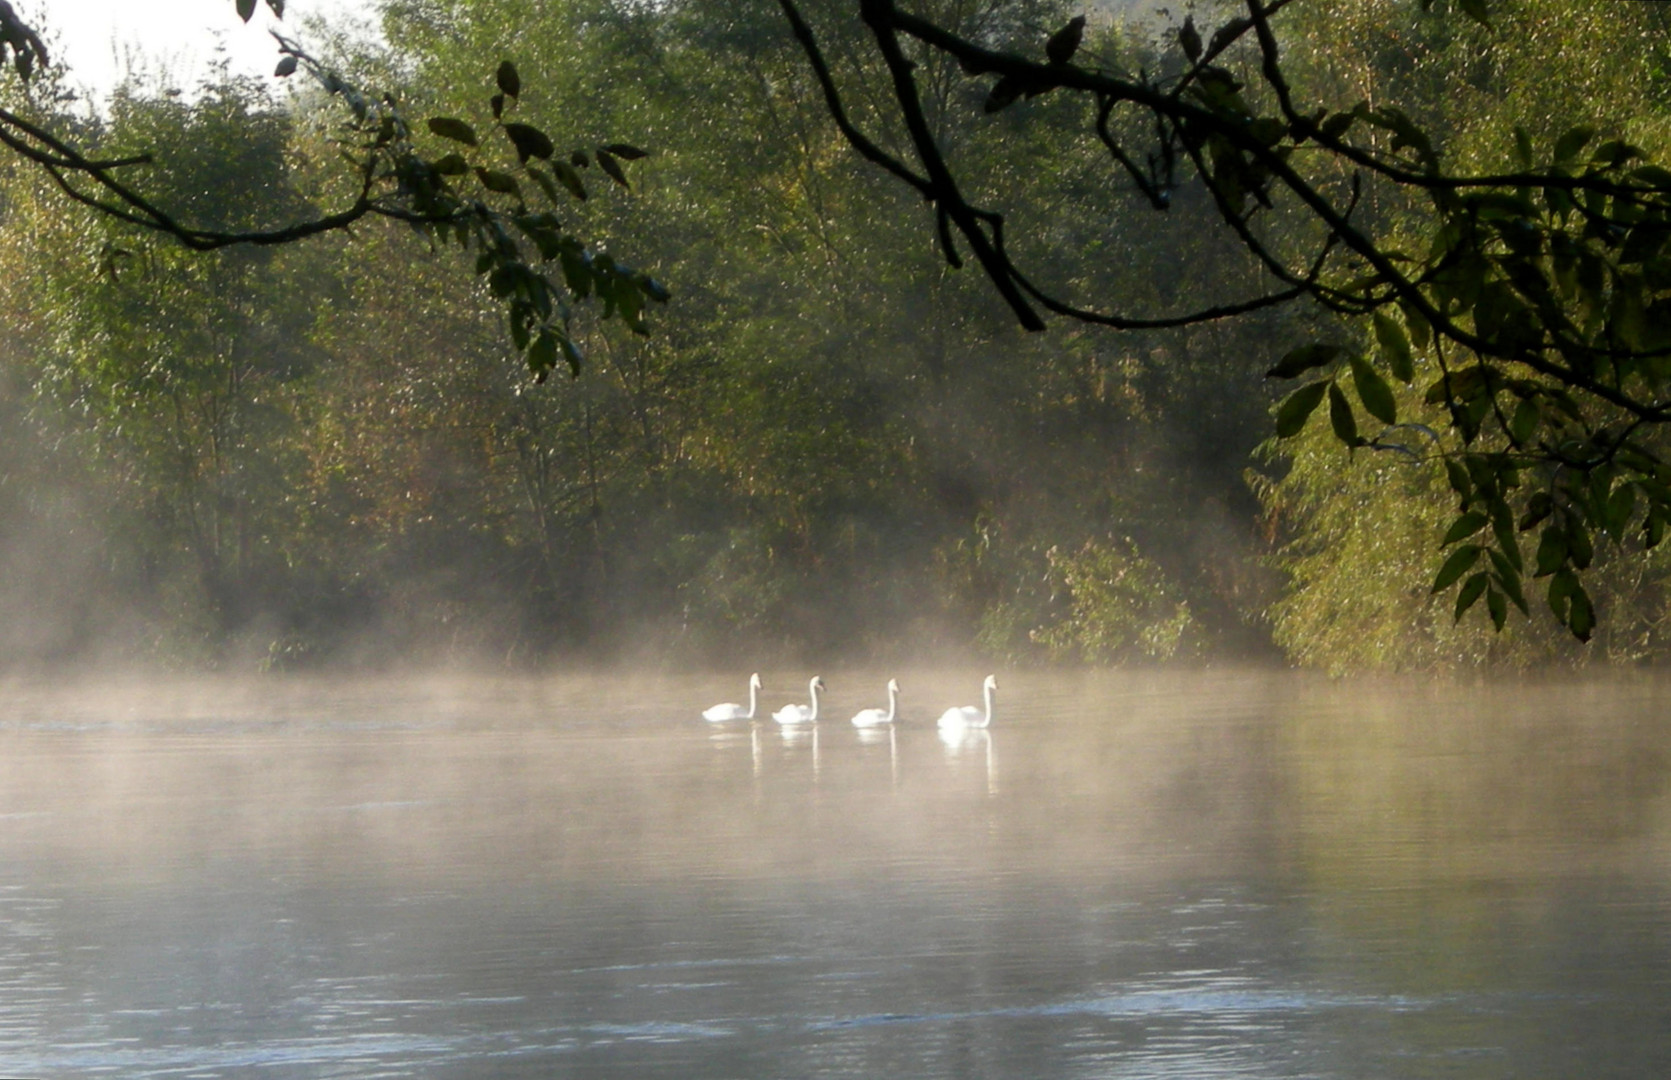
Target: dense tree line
x=829, y=442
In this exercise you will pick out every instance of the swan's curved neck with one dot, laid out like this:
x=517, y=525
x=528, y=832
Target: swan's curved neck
x=753, y=693
x=987, y=693
x=893, y=703
x=812, y=689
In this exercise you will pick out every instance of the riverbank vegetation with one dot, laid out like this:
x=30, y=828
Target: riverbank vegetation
x=828, y=443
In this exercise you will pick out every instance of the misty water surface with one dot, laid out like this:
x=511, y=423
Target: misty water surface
x=1201, y=876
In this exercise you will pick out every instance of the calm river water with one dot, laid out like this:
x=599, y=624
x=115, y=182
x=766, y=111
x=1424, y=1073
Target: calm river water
x=1223, y=875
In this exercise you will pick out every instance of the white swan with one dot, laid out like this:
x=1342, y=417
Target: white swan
x=732, y=711
x=802, y=714
x=967, y=716
x=877, y=717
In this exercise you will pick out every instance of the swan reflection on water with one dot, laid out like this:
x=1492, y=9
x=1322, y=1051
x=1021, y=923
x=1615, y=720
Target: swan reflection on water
x=968, y=744
x=802, y=735
x=876, y=736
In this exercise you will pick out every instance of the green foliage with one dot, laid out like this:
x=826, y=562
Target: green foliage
x=838, y=446
x=1118, y=606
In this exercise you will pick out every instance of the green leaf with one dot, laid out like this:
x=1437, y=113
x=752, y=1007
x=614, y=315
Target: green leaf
x=1458, y=477
x=1471, y=590
x=529, y=142
x=569, y=179
x=545, y=182
x=1508, y=579
x=1568, y=145
x=1538, y=507
x=1476, y=10
x=1502, y=525
x=1579, y=548
x=451, y=165
x=246, y=9
x=542, y=355
x=1498, y=607
x=1464, y=526
x=1373, y=391
x=1581, y=618
x=510, y=83
x=1621, y=505
x=654, y=289
x=1463, y=384
x=1297, y=408
x=1341, y=419
x=626, y=151
x=457, y=130
x=1460, y=562
x=1336, y=126
x=1522, y=147
x=503, y=183
x=607, y=162
x=1395, y=347
x=1303, y=359
x=1552, y=550
x=1524, y=424
x=1653, y=528
x=571, y=353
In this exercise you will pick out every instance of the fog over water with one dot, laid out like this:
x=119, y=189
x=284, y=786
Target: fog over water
x=1212, y=875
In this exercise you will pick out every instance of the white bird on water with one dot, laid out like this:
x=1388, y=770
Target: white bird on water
x=967, y=716
x=802, y=714
x=732, y=711
x=877, y=717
